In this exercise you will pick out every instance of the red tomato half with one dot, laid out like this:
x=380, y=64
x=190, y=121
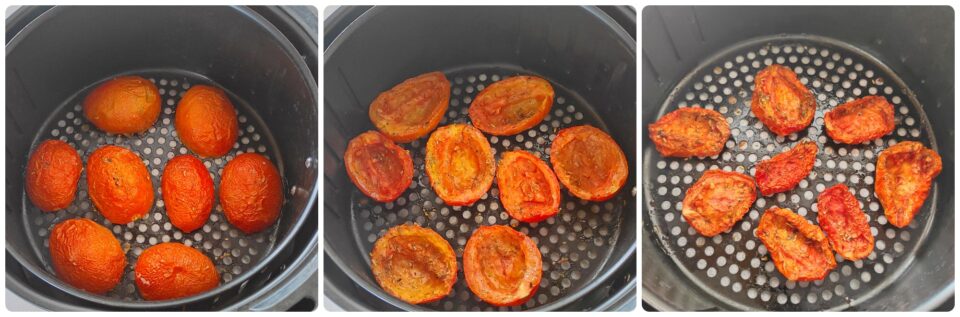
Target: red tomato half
x=459, y=163
x=588, y=162
x=905, y=173
x=781, y=101
x=798, y=248
x=860, y=120
x=414, y=264
x=381, y=169
x=839, y=214
x=785, y=170
x=529, y=190
x=512, y=105
x=412, y=108
x=690, y=131
x=717, y=201
x=502, y=266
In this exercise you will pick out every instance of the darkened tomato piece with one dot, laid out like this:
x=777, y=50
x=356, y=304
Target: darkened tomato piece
x=690, y=131
x=512, y=105
x=781, y=101
x=381, y=169
x=860, y=120
x=459, y=163
x=502, y=266
x=529, y=190
x=414, y=264
x=53, y=171
x=798, y=248
x=412, y=108
x=905, y=173
x=839, y=214
x=785, y=170
x=717, y=201
x=588, y=162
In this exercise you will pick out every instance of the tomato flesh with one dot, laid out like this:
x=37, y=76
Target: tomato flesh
x=839, y=214
x=502, y=266
x=414, y=264
x=785, y=170
x=905, y=173
x=459, y=163
x=512, y=105
x=381, y=169
x=798, y=248
x=860, y=120
x=588, y=162
x=781, y=101
x=688, y=132
x=529, y=190
x=412, y=108
x=717, y=201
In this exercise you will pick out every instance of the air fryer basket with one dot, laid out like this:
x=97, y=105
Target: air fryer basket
x=589, y=60
x=716, y=70
x=62, y=53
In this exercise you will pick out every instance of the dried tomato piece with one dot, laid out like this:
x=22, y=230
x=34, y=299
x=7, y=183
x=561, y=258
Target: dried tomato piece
x=785, y=170
x=717, y=201
x=53, y=172
x=905, y=172
x=798, y=248
x=512, y=105
x=412, y=108
x=459, y=163
x=781, y=101
x=691, y=131
x=414, y=264
x=381, y=169
x=860, y=120
x=839, y=214
x=588, y=162
x=502, y=266
x=529, y=190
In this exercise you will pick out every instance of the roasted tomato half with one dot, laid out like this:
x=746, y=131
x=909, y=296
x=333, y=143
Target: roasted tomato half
x=781, y=101
x=798, y=248
x=785, y=170
x=529, y=190
x=905, y=172
x=690, y=131
x=512, y=105
x=717, y=201
x=588, y=162
x=86, y=255
x=119, y=184
x=412, y=108
x=53, y=171
x=839, y=214
x=173, y=270
x=459, y=163
x=381, y=169
x=502, y=266
x=860, y=120
x=188, y=192
x=414, y=264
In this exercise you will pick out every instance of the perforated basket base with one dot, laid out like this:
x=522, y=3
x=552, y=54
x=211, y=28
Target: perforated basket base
x=575, y=244
x=734, y=266
x=233, y=252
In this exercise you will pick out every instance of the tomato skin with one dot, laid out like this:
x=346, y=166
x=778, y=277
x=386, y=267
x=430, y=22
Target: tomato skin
x=459, y=163
x=119, y=184
x=512, y=105
x=781, y=101
x=412, y=108
x=785, y=170
x=688, y=132
x=839, y=214
x=905, y=173
x=799, y=249
x=414, y=264
x=378, y=167
x=717, y=201
x=173, y=270
x=86, y=255
x=860, y=120
x=251, y=192
x=123, y=105
x=206, y=121
x=52, y=173
x=529, y=190
x=588, y=162
x=502, y=266
x=187, y=191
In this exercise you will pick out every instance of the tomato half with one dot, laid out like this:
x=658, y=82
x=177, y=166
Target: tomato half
x=459, y=163
x=688, y=132
x=717, y=201
x=412, y=108
x=905, y=173
x=381, y=169
x=785, y=170
x=781, y=101
x=529, y=190
x=798, y=248
x=839, y=214
x=588, y=162
x=414, y=264
x=860, y=120
x=512, y=105
x=502, y=266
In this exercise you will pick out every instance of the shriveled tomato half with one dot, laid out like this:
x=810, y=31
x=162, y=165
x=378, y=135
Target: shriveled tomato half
x=839, y=214
x=860, y=120
x=690, y=131
x=781, y=101
x=414, y=264
x=412, y=108
x=798, y=248
x=459, y=163
x=717, y=201
x=529, y=190
x=381, y=169
x=905, y=173
x=502, y=266
x=588, y=162
x=512, y=105
x=785, y=170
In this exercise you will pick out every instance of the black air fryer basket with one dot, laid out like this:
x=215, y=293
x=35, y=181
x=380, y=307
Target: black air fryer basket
x=708, y=57
x=588, y=56
x=259, y=56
